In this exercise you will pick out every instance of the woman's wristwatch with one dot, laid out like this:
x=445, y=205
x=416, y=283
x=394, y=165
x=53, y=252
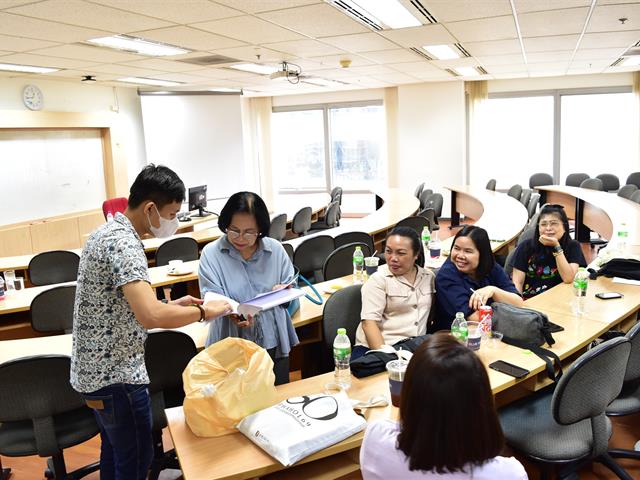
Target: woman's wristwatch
x=201, y=308
x=557, y=250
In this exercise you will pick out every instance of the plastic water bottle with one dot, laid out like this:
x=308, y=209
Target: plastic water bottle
x=623, y=234
x=459, y=328
x=1, y=288
x=426, y=238
x=580, y=284
x=435, y=246
x=341, y=356
x=109, y=216
x=358, y=265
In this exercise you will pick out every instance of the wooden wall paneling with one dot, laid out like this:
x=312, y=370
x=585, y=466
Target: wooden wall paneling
x=15, y=241
x=88, y=222
x=55, y=235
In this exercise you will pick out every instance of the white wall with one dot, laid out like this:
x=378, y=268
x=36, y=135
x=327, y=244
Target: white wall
x=552, y=83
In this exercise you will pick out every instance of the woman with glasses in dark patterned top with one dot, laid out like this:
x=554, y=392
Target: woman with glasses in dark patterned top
x=242, y=264
x=549, y=258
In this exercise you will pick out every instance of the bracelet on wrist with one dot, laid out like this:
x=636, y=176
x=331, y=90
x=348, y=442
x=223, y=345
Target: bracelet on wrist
x=558, y=252
x=201, y=308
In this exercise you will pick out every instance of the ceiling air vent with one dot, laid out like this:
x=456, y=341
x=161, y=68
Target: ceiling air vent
x=462, y=50
x=357, y=15
x=430, y=18
x=420, y=52
x=482, y=70
x=617, y=62
x=451, y=72
x=209, y=60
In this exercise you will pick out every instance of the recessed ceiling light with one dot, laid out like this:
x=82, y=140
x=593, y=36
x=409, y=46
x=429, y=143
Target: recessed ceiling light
x=138, y=45
x=441, y=52
x=149, y=81
x=255, y=68
x=630, y=61
x=389, y=12
x=26, y=68
x=466, y=71
x=225, y=90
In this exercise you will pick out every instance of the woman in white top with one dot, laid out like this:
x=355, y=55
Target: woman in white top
x=448, y=427
x=397, y=299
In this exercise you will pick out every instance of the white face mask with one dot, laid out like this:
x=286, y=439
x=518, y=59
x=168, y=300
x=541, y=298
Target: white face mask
x=167, y=227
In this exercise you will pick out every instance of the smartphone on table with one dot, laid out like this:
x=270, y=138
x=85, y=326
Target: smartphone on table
x=509, y=369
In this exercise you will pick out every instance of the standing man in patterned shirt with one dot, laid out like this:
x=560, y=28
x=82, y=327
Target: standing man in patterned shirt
x=115, y=305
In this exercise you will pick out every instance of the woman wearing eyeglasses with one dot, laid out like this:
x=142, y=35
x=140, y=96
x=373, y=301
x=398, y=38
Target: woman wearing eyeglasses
x=243, y=264
x=550, y=257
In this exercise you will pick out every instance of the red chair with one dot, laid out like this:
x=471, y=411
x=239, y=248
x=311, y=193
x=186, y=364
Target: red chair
x=114, y=205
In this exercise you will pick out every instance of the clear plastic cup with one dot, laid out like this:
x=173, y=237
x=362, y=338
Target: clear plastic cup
x=475, y=335
x=495, y=340
x=396, y=370
x=371, y=265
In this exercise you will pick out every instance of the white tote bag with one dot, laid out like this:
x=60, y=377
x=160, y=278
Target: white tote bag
x=300, y=426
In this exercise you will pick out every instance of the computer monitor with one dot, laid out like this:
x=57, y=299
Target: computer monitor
x=198, y=201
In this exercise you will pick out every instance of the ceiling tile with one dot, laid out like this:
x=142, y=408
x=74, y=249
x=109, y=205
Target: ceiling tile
x=508, y=76
x=610, y=39
x=556, y=22
x=494, y=47
x=456, y=62
x=547, y=57
x=320, y=20
x=88, y=53
x=20, y=44
x=250, y=53
x=76, y=12
x=334, y=60
x=392, y=56
x=180, y=77
x=396, y=78
x=436, y=75
x=42, y=61
x=599, y=54
x=456, y=10
x=305, y=48
x=419, y=36
x=501, y=60
x=605, y=18
x=308, y=64
x=609, y=2
x=249, y=29
x=124, y=70
x=5, y=52
x=13, y=3
x=510, y=68
x=221, y=73
x=524, y=6
x=361, y=42
x=179, y=11
x=596, y=65
x=415, y=68
x=551, y=43
x=368, y=70
x=257, y=6
x=78, y=74
x=164, y=65
x=547, y=67
x=332, y=73
x=191, y=38
x=17, y=25
x=496, y=28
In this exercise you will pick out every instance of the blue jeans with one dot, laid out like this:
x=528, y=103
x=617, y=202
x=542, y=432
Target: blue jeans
x=123, y=412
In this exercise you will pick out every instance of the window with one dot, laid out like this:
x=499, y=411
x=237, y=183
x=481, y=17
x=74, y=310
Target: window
x=332, y=145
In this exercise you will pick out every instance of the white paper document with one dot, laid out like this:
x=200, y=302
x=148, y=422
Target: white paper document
x=264, y=301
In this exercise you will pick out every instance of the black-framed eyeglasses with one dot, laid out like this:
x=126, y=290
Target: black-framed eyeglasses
x=248, y=236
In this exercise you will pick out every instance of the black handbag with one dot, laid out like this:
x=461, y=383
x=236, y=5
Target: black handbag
x=375, y=361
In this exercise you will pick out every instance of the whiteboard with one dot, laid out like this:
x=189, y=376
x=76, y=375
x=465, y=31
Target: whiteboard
x=49, y=173
x=199, y=137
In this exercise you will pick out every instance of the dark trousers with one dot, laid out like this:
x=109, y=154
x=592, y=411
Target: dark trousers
x=123, y=412
x=280, y=367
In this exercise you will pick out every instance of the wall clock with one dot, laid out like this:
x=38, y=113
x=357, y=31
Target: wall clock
x=32, y=97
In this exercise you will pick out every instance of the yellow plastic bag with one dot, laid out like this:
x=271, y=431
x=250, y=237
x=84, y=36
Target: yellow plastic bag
x=224, y=383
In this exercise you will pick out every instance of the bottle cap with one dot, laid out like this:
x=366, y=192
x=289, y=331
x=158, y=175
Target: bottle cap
x=342, y=331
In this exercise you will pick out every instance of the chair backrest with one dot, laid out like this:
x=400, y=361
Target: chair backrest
x=610, y=183
x=301, y=222
x=418, y=190
x=310, y=255
x=331, y=216
x=341, y=310
x=417, y=223
x=525, y=197
x=340, y=262
x=166, y=355
x=533, y=204
x=575, y=179
x=351, y=237
x=515, y=191
x=52, y=310
x=634, y=179
x=508, y=269
x=56, y=266
x=289, y=249
x=632, y=373
x=627, y=190
x=636, y=196
x=180, y=248
x=491, y=185
x=540, y=179
x=434, y=201
x=336, y=195
x=278, y=227
x=424, y=197
x=430, y=215
x=604, y=366
x=592, y=184
x=114, y=205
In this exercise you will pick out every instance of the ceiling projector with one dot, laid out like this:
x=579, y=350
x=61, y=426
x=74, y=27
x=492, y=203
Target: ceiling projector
x=284, y=74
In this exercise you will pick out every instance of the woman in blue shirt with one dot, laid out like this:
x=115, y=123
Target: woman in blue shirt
x=470, y=278
x=243, y=264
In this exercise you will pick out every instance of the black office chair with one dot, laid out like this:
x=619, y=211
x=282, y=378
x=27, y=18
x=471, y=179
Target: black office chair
x=515, y=191
x=507, y=267
x=636, y=196
x=491, y=185
x=592, y=184
x=634, y=179
x=340, y=262
x=330, y=219
x=430, y=215
x=40, y=414
x=418, y=190
x=179, y=248
x=627, y=190
x=336, y=195
x=56, y=266
x=416, y=223
x=341, y=310
x=52, y=310
x=310, y=255
x=278, y=227
x=289, y=249
x=167, y=354
x=533, y=204
x=540, y=179
x=351, y=237
x=525, y=197
x=610, y=183
x=434, y=201
x=301, y=222
x=424, y=197
x=568, y=426
x=575, y=179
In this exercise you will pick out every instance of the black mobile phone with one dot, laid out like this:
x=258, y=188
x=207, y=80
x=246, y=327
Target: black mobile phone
x=509, y=369
x=608, y=295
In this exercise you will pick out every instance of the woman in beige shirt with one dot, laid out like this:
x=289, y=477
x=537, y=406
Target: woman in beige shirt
x=397, y=299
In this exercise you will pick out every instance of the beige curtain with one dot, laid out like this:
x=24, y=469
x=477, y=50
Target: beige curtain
x=257, y=126
x=391, y=119
x=476, y=93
